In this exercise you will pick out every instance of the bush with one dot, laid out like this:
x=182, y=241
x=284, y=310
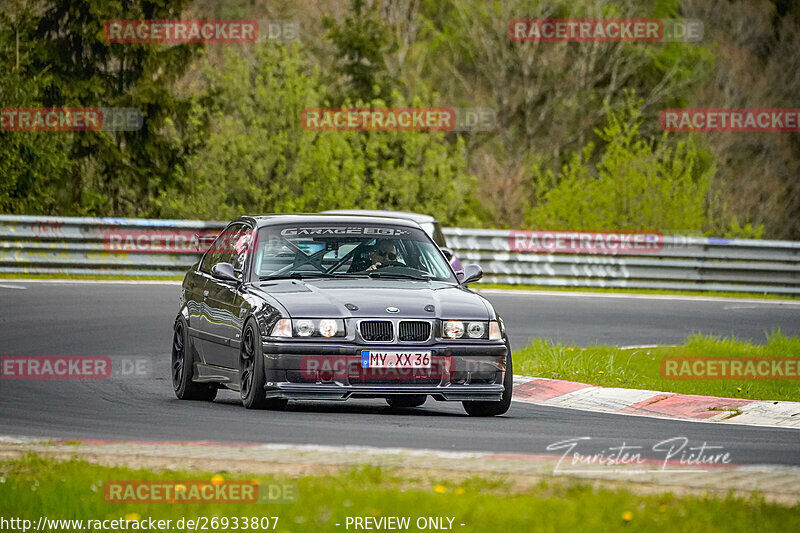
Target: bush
x=633, y=184
x=258, y=158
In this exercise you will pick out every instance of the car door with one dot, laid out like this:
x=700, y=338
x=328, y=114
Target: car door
x=192, y=297
x=223, y=301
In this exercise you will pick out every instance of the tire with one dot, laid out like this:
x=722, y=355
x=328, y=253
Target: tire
x=183, y=365
x=251, y=372
x=494, y=408
x=407, y=400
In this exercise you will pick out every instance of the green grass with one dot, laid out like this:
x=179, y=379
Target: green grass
x=613, y=290
x=33, y=487
x=610, y=366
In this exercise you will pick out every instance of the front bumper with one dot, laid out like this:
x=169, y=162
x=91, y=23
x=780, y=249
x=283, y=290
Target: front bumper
x=325, y=371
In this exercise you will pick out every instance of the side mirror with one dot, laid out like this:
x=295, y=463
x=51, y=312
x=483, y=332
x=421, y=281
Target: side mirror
x=224, y=272
x=472, y=272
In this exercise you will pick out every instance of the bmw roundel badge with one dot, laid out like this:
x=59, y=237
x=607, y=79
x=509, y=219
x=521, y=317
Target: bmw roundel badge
x=392, y=310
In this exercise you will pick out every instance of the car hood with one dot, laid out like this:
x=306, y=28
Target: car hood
x=336, y=298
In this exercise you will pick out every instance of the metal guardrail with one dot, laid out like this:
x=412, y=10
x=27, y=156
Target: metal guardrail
x=73, y=246
x=34, y=245
x=681, y=263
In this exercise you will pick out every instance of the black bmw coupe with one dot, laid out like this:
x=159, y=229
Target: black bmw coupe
x=331, y=307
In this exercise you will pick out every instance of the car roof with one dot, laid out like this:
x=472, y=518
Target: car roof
x=416, y=217
x=304, y=218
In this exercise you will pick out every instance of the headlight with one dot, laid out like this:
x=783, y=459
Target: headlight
x=472, y=330
x=328, y=327
x=304, y=328
x=308, y=327
x=453, y=329
x=475, y=330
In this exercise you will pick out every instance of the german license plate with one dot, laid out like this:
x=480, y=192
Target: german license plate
x=391, y=359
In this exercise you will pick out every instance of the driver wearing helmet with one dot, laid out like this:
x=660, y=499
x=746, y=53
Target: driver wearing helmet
x=384, y=253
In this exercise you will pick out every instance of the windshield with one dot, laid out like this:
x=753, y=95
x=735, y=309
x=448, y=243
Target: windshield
x=348, y=250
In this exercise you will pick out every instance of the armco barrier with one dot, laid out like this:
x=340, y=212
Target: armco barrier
x=71, y=246
x=32, y=245
x=683, y=263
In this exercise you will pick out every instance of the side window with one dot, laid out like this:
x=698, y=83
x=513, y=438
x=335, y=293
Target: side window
x=231, y=246
x=438, y=236
x=240, y=246
x=208, y=261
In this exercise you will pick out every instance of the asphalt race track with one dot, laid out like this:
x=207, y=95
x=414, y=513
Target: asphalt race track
x=133, y=322
x=639, y=319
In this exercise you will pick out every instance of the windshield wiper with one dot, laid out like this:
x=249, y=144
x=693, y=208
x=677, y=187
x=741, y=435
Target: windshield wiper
x=297, y=275
x=398, y=276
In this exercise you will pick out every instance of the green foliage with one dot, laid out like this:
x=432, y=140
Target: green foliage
x=634, y=184
x=68, y=63
x=571, y=148
x=362, y=41
x=258, y=158
x=31, y=163
x=746, y=231
x=550, y=98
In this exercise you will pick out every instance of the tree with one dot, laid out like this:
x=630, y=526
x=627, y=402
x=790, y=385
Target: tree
x=549, y=97
x=756, y=67
x=31, y=163
x=634, y=184
x=111, y=172
x=258, y=158
x=362, y=40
